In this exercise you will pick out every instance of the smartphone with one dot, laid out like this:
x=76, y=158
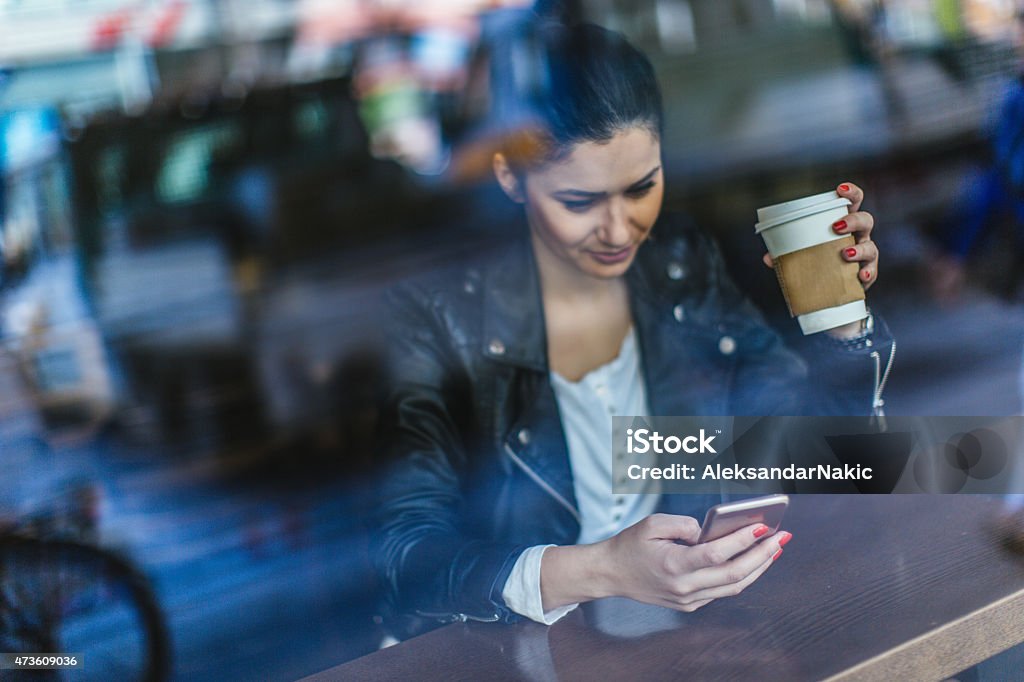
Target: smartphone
x=728, y=517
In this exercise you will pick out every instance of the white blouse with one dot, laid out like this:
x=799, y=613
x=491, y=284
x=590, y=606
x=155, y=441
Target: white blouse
x=586, y=408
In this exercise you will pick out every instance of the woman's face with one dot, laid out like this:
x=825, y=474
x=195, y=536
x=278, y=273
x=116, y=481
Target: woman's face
x=593, y=208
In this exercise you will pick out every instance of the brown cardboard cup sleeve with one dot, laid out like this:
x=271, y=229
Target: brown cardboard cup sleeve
x=817, y=277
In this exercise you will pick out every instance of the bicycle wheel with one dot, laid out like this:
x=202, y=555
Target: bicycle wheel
x=62, y=596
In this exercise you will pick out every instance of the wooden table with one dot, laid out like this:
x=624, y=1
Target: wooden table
x=870, y=588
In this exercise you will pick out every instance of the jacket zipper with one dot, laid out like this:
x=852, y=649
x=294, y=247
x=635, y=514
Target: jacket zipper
x=542, y=483
x=877, y=403
x=458, y=617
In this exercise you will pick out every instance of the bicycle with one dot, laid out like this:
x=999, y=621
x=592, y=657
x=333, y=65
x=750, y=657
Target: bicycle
x=61, y=594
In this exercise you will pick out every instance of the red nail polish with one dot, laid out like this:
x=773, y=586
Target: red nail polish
x=776, y=555
x=760, y=530
x=850, y=253
x=786, y=537
x=844, y=188
x=867, y=275
x=839, y=225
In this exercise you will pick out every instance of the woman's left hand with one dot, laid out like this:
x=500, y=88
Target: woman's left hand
x=860, y=224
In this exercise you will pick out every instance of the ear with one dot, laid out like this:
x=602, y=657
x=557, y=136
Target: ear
x=508, y=180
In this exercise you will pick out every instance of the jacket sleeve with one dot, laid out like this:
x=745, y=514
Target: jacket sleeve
x=819, y=376
x=428, y=565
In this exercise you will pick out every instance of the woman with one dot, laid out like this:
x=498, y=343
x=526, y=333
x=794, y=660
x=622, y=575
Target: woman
x=507, y=373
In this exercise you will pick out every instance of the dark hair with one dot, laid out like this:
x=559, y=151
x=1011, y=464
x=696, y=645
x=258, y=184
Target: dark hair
x=592, y=84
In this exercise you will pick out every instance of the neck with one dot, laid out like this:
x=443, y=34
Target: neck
x=563, y=282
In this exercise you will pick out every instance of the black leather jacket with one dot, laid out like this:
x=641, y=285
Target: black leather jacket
x=480, y=466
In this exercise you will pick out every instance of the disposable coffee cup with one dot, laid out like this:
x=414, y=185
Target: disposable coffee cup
x=822, y=290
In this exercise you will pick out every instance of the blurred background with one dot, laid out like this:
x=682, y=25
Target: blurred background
x=202, y=202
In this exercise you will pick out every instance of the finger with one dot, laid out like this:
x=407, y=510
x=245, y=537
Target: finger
x=858, y=224
x=737, y=569
x=719, y=551
x=850, y=191
x=868, y=274
x=733, y=589
x=768, y=260
x=689, y=606
x=692, y=606
x=865, y=252
x=672, y=527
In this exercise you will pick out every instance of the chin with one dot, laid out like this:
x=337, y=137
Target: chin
x=610, y=271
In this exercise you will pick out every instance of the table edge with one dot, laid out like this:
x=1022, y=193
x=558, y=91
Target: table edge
x=940, y=653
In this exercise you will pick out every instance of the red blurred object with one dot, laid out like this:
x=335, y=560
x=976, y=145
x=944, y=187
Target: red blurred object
x=167, y=24
x=110, y=30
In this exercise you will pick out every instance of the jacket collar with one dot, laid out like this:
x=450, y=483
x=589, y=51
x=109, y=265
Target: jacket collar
x=514, y=329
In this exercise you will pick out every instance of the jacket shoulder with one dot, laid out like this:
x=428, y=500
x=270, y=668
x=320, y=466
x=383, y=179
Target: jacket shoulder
x=678, y=256
x=445, y=298
x=440, y=281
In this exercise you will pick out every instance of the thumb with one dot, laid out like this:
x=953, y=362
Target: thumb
x=674, y=527
x=767, y=258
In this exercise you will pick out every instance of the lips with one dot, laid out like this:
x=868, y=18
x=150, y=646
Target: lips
x=611, y=257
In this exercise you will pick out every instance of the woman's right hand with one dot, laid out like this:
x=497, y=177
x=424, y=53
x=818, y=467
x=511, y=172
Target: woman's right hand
x=645, y=563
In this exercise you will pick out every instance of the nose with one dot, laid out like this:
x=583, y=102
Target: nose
x=615, y=224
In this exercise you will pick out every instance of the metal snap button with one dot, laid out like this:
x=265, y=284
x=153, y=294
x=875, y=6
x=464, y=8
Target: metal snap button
x=496, y=347
x=524, y=436
x=675, y=271
x=679, y=313
x=727, y=345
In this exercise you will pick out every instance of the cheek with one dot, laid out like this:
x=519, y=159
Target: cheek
x=567, y=228
x=649, y=208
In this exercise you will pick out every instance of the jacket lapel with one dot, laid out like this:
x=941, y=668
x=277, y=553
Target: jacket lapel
x=677, y=354
x=514, y=335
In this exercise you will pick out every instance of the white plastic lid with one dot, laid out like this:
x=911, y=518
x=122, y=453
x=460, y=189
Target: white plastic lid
x=775, y=210
x=805, y=208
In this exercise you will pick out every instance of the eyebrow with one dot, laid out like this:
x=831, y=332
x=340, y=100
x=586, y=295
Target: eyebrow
x=579, y=193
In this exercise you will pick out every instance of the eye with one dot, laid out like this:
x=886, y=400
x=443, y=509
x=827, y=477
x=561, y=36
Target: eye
x=640, y=190
x=578, y=206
